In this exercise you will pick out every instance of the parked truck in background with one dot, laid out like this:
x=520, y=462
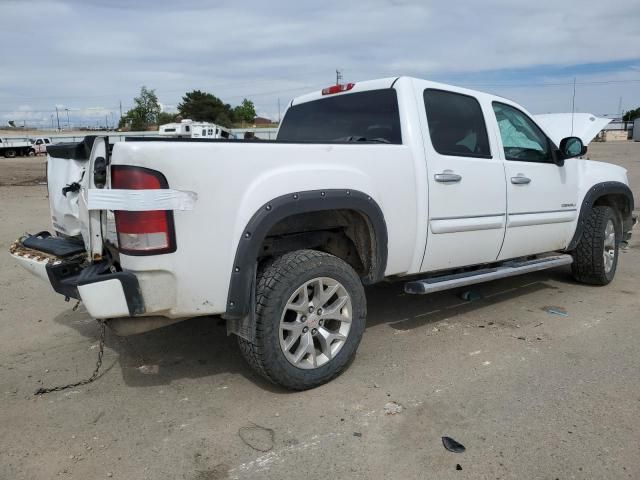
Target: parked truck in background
x=12, y=147
x=40, y=145
x=396, y=179
x=23, y=147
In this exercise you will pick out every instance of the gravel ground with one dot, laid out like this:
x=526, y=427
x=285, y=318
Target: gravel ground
x=530, y=394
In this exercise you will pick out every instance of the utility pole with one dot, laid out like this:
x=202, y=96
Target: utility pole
x=620, y=107
x=120, y=109
x=573, y=104
x=52, y=121
x=106, y=122
x=68, y=124
x=58, y=118
x=278, y=110
x=338, y=77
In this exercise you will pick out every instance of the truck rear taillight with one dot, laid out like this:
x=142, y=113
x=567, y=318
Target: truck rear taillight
x=341, y=87
x=147, y=232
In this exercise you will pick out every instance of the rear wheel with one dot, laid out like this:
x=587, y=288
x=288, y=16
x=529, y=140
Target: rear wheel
x=10, y=153
x=595, y=258
x=310, y=316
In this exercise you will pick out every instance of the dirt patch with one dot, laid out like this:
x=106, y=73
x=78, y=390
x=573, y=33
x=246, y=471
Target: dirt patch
x=24, y=171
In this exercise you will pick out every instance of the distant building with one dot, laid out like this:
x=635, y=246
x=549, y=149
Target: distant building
x=262, y=121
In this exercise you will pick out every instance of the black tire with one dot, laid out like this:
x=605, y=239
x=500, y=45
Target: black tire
x=277, y=281
x=31, y=153
x=10, y=153
x=589, y=264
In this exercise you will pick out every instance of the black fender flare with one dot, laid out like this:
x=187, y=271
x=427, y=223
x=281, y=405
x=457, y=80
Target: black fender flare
x=242, y=283
x=595, y=192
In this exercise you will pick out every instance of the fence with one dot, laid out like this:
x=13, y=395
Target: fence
x=261, y=133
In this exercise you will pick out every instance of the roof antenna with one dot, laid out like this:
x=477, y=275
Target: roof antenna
x=573, y=104
x=338, y=77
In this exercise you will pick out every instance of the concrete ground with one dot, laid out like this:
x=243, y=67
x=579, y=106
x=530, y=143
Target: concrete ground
x=530, y=394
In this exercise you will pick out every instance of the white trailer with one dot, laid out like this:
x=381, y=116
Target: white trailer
x=190, y=129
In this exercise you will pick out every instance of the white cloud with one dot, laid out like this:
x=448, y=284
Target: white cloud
x=94, y=51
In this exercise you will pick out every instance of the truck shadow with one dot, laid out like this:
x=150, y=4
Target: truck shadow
x=200, y=348
x=387, y=303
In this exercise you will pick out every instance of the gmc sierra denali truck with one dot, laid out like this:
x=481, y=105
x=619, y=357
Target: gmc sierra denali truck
x=391, y=179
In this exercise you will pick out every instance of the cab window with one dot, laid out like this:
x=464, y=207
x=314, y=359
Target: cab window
x=372, y=115
x=522, y=139
x=456, y=124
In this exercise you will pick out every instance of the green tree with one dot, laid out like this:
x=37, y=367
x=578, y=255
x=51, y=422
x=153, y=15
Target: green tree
x=205, y=107
x=245, y=112
x=165, y=117
x=144, y=113
x=631, y=115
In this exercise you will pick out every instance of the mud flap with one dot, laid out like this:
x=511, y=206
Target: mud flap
x=245, y=327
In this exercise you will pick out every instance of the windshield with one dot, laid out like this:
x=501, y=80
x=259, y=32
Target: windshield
x=356, y=117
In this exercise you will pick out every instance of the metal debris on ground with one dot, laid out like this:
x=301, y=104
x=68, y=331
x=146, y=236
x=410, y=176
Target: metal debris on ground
x=94, y=375
x=470, y=295
x=149, y=369
x=458, y=466
x=453, y=446
x=257, y=437
x=357, y=434
x=556, y=311
x=392, y=408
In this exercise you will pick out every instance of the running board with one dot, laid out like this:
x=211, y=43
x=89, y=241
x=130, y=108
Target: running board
x=507, y=269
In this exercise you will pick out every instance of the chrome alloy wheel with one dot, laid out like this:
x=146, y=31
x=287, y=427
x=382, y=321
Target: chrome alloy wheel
x=315, y=323
x=609, y=251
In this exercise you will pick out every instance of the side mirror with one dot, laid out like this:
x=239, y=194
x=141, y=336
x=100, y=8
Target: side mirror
x=572, y=147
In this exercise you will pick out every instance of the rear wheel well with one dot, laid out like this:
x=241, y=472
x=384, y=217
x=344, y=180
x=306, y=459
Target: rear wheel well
x=347, y=234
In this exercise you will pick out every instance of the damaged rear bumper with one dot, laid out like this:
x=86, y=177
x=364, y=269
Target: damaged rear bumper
x=105, y=293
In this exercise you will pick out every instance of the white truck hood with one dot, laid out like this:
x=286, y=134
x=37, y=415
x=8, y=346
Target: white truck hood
x=560, y=125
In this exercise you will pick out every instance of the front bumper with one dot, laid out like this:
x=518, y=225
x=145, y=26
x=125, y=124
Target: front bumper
x=105, y=294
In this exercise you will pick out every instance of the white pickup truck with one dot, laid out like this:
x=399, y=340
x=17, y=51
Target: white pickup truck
x=393, y=179
x=40, y=145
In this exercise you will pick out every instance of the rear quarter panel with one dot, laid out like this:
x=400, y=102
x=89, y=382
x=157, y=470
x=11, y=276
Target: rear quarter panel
x=234, y=180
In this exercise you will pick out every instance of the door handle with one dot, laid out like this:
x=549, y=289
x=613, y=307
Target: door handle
x=520, y=180
x=447, y=177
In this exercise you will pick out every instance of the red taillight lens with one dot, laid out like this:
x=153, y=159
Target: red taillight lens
x=142, y=233
x=342, y=87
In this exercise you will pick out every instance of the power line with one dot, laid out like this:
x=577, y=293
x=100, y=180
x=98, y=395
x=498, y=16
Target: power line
x=549, y=84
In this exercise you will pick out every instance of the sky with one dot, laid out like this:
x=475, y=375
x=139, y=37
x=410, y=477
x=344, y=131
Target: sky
x=87, y=56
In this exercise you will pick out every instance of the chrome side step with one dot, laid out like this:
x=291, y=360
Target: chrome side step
x=507, y=269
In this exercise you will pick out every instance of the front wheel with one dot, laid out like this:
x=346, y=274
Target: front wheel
x=595, y=258
x=310, y=316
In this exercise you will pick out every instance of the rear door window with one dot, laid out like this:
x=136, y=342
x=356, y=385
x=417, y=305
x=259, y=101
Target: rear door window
x=354, y=117
x=456, y=124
